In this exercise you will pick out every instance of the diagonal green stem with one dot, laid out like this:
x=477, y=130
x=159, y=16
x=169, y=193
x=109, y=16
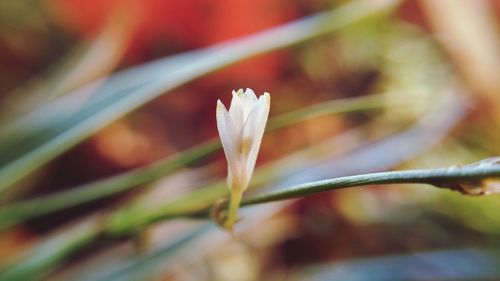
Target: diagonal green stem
x=455, y=178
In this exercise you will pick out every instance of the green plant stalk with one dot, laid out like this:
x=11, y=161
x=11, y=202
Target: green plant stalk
x=199, y=203
x=234, y=204
x=460, y=178
x=24, y=210
x=131, y=219
x=455, y=178
x=50, y=253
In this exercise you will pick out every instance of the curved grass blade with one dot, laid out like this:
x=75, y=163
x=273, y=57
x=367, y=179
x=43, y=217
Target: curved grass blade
x=145, y=266
x=50, y=253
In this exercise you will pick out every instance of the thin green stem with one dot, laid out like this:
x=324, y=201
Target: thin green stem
x=234, y=205
x=461, y=179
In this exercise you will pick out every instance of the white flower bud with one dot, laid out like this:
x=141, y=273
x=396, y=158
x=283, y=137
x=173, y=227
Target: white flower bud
x=241, y=130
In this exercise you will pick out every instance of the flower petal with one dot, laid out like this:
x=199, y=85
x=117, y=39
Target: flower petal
x=248, y=100
x=257, y=117
x=254, y=130
x=236, y=110
x=249, y=95
x=228, y=135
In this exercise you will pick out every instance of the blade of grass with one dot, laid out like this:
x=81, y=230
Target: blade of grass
x=332, y=107
x=50, y=253
x=144, y=266
x=37, y=145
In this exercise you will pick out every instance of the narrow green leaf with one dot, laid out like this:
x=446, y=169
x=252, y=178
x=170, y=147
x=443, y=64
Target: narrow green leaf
x=50, y=253
x=145, y=266
x=24, y=210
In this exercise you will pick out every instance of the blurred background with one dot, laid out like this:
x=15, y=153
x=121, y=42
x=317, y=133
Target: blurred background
x=418, y=85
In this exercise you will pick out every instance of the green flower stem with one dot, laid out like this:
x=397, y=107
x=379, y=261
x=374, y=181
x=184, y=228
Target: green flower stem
x=21, y=211
x=131, y=219
x=456, y=178
x=234, y=205
x=199, y=203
